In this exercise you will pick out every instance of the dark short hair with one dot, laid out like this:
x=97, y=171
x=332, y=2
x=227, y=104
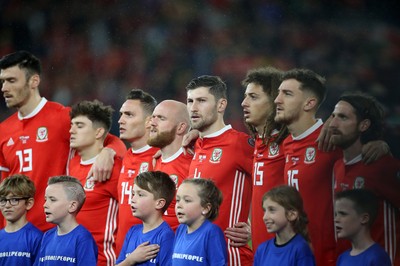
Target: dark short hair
x=24, y=60
x=309, y=81
x=215, y=84
x=17, y=185
x=95, y=111
x=365, y=201
x=148, y=102
x=366, y=107
x=159, y=184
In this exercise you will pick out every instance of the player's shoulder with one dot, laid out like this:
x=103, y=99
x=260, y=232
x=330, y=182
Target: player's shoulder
x=9, y=120
x=240, y=137
x=55, y=106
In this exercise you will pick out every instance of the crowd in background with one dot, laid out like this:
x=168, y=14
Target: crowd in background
x=101, y=49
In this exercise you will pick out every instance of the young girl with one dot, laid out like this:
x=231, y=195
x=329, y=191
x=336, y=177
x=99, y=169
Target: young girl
x=197, y=240
x=284, y=215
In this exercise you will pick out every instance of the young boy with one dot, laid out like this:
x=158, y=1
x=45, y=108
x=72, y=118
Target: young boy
x=19, y=240
x=69, y=243
x=355, y=212
x=150, y=243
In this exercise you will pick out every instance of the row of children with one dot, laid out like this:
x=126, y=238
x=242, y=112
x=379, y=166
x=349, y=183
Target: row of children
x=197, y=239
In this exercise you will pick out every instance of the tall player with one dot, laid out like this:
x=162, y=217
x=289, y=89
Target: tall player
x=307, y=168
x=357, y=119
x=224, y=155
x=35, y=140
x=90, y=123
x=168, y=125
x=268, y=162
x=135, y=114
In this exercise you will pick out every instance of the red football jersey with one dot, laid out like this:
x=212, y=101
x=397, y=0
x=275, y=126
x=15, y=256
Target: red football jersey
x=268, y=165
x=134, y=163
x=101, y=205
x=382, y=178
x=37, y=146
x=226, y=157
x=311, y=172
x=177, y=167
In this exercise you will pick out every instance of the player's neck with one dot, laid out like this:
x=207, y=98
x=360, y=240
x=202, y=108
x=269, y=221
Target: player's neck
x=12, y=227
x=301, y=125
x=352, y=151
x=216, y=126
x=90, y=152
x=139, y=142
x=172, y=148
x=284, y=236
x=152, y=222
x=361, y=242
x=30, y=104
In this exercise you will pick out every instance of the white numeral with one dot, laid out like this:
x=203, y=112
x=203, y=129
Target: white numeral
x=25, y=160
x=126, y=191
x=258, y=174
x=292, y=179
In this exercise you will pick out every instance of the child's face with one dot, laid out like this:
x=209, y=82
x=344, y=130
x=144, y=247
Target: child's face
x=347, y=220
x=274, y=216
x=188, y=207
x=13, y=213
x=143, y=203
x=56, y=205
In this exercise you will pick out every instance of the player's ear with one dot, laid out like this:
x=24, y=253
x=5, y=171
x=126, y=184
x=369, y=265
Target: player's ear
x=182, y=128
x=34, y=81
x=221, y=105
x=364, y=218
x=311, y=103
x=205, y=210
x=292, y=215
x=100, y=132
x=364, y=125
x=73, y=206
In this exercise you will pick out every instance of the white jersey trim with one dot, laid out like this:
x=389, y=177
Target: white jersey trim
x=35, y=111
x=309, y=131
x=172, y=157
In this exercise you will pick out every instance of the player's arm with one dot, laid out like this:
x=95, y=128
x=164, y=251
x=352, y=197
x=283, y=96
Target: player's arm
x=103, y=166
x=143, y=252
x=189, y=139
x=374, y=150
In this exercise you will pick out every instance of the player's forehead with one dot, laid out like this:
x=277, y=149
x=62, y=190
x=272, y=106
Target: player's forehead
x=81, y=119
x=290, y=85
x=13, y=71
x=199, y=92
x=131, y=106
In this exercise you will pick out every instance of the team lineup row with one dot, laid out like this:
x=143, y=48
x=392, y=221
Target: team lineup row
x=279, y=108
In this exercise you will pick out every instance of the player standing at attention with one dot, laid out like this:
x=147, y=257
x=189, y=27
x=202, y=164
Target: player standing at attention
x=198, y=241
x=168, y=125
x=268, y=163
x=69, y=243
x=39, y=126
x=308, y=169
x=225, y=156
x=357, y=119
x=355, y=213
x=90, y=123
x=150, y=243
x=134, y=127
x=19, y=239
x=284, y=215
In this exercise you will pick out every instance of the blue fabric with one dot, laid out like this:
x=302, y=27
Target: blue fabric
x=162, y=235
x=21, y=247
x=295, y=252
x=205, y=246
x=75, y=248
x=375, y=255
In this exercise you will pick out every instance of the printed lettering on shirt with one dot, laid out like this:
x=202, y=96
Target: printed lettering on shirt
x=216, y=155
x=42, y=134
x=309, y=156
x=273, y=150
x=24, y=139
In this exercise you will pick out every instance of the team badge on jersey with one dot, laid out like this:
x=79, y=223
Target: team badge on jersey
x=42, y=134
x=175, y=179
x=273, y=150
x=309, y=156
x=89, y=185
x=144, y=167
x=359, y=182
x=216, y=155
